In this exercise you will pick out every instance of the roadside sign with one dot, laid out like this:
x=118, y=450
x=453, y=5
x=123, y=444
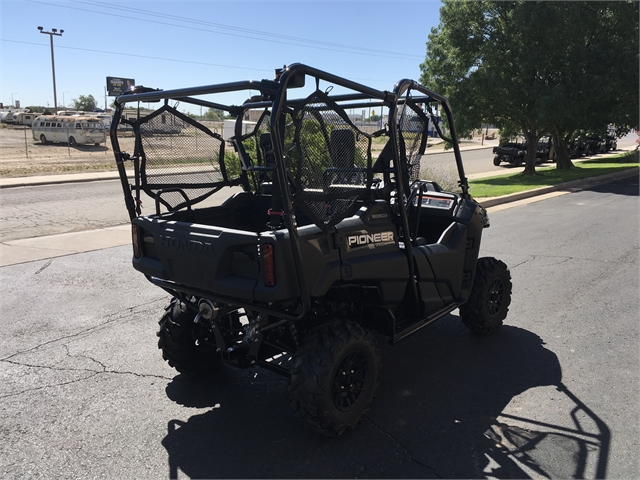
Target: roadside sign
x=117, y=86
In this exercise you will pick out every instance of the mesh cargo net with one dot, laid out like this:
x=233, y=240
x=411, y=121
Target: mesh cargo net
x=180, y=156
x=333, y=160
x=413, y=128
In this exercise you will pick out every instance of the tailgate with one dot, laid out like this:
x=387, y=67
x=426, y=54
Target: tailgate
x=220, y=260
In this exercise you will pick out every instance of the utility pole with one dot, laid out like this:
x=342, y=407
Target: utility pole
x=54, y=31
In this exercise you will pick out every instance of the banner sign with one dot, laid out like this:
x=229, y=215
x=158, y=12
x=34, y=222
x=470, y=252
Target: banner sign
x=117, y=86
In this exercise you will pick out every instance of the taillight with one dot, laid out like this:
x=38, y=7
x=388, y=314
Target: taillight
x=135, y=240
x=269, y=265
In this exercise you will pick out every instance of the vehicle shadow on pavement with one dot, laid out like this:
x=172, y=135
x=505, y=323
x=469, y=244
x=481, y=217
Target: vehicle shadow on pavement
x=435, y=416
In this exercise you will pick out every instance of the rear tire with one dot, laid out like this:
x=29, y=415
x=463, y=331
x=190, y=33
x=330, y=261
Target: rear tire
x=490, y=297
x=334, y=377
x=517, y=161
x=178, y=340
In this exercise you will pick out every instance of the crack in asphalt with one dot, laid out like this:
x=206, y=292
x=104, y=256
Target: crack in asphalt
x=44, y=267
x=397, y=442
x=92, y=373
x=28, y=390
x=564, y=258
x=521, y=263
x=111, y=318
x=560, y=260
x=107, y=370
x=101, y=368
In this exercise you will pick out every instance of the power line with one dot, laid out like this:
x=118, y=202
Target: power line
x=335, y=48
x=165, y=59
x=241, y=29
x=142, y=56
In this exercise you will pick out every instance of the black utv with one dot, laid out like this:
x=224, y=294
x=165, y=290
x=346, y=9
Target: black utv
x=510, y=152
x=594, y=145
x=320, y=248
x=545, y=150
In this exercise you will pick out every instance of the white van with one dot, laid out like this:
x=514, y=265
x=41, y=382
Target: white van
x=82, y=130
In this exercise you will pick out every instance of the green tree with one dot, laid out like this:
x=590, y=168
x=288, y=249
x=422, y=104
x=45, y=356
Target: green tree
x=596, y=84
x=542, y=67
x=84, y=103
x=214, y=114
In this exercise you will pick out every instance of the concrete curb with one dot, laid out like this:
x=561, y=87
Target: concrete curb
x=574, y=185
x=57, y=179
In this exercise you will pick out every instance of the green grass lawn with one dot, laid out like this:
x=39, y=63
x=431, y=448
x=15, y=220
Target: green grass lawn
x=517, y=182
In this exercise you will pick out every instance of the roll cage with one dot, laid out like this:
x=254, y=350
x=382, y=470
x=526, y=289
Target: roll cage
x=296, y=151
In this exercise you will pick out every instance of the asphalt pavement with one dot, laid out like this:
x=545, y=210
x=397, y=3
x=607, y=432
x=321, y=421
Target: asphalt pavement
x=555, y=393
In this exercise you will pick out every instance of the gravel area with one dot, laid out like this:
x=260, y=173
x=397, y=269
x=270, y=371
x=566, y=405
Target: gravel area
x=21, y=155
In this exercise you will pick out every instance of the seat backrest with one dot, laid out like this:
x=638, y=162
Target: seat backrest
x=383, y=161
x=343, y=148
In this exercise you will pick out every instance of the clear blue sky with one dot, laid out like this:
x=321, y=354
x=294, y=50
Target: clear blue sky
x=171, y=44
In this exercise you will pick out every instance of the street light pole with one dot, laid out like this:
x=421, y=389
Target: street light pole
x=54, y=31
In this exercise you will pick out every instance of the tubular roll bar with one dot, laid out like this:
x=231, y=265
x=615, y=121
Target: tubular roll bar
x=402, y=86
x=274, y=95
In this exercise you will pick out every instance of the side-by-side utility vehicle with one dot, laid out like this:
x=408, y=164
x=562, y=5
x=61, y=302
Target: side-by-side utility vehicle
x=323, y=245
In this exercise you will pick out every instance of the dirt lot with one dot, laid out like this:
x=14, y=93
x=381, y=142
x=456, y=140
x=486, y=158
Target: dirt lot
x=21, y=155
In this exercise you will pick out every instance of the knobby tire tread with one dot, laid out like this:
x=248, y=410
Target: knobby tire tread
x=311, y=381
x=178, y=347
x=473, y=312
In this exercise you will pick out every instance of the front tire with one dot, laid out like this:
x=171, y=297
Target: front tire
x=180, y=343
x=72, y=141
x=334, y=377
x=43, y=139
x=496, y=160
x=490, y=297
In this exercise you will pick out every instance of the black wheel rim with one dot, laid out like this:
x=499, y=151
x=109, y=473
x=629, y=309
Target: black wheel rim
x=496, y=292
x=350, y=381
